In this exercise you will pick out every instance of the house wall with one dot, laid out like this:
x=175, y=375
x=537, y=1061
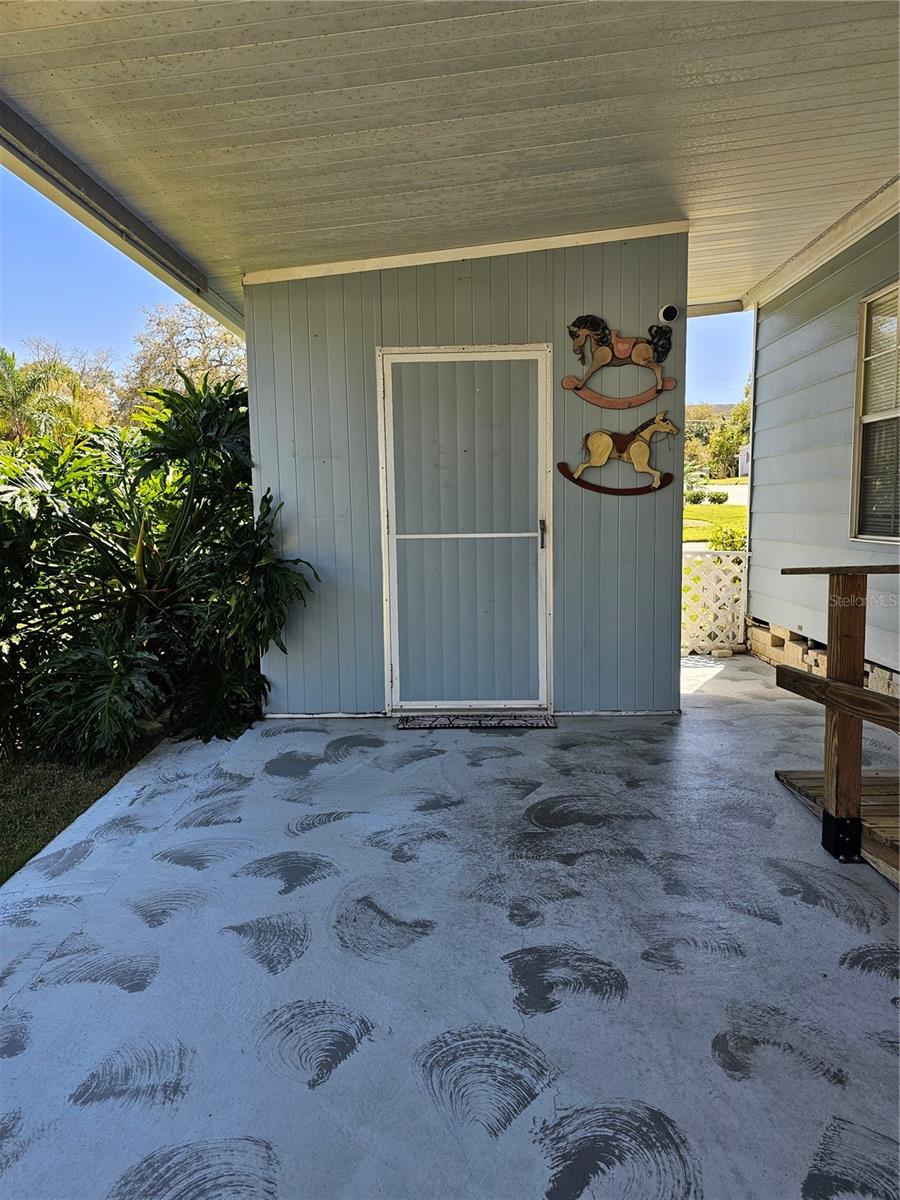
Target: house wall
x=616, y=564
x=802, y=447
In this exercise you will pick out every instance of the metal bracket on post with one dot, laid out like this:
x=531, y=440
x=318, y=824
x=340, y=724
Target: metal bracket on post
x=842, y=837
x=838, y=791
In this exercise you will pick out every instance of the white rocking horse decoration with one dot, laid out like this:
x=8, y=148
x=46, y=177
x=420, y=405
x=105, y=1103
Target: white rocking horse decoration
x=601, y=445
x=599, y=346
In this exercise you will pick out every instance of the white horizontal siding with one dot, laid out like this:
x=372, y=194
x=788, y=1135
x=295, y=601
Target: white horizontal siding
x=825, y=430
x=802, y=448
x=830, y=292
x=788, y=407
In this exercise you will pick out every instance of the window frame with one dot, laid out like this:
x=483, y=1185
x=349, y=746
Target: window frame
x=859, y=419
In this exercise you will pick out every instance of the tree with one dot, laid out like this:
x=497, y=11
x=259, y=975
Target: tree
x=701, y=420
x=696, y=449
x=33, y=398
x=88, y=379
x=54, y=394
x=174, y=339
x=705, y=412
x=727, y=439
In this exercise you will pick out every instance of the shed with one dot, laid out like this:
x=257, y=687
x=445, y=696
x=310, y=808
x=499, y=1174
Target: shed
x=408, y=205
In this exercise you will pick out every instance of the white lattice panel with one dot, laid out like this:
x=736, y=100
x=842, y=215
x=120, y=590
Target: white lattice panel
x=712, y=599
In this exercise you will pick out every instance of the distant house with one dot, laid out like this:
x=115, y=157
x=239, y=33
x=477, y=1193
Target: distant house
x=744, y=461
x=406, y=206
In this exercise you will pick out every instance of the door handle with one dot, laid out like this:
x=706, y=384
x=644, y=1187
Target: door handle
x=542, y=526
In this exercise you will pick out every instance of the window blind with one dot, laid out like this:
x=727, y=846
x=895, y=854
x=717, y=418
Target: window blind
x=878, y=496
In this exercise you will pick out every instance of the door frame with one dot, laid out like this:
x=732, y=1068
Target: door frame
x=386, y=356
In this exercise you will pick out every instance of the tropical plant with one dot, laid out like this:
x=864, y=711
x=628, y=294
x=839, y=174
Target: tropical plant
x=138, y=589
x=33, y=398
x=53, y=394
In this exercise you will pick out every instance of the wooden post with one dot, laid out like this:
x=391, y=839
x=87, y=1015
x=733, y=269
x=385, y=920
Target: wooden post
x=847, y=704
x=841, y=823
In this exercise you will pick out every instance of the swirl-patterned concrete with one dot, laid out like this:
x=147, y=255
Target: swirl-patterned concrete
x=334, y=961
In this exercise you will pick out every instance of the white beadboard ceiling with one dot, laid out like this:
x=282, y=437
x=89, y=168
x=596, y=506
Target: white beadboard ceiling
x=260, y=135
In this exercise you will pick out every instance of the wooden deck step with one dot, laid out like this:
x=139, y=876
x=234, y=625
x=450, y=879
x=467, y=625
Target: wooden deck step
x=880, y=811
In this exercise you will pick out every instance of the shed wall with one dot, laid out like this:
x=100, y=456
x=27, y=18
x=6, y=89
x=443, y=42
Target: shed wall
x=803, y=446
x=616, y=564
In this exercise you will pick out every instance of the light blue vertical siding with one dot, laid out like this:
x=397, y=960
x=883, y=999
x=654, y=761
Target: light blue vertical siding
x=803, y=447
x=616, y=566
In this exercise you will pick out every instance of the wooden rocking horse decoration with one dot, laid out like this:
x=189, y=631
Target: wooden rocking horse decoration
x=601, y=445
x=599, y=346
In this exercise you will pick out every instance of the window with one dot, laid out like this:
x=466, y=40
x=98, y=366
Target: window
x=876, y=508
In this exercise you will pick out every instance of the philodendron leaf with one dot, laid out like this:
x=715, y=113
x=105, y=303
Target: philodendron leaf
x=137, y=582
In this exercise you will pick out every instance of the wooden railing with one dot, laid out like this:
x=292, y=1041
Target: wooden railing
x=847, y=703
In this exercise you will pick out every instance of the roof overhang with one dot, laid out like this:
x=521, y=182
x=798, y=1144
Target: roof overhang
x=40, y=163
x=225, y=142
x=864, y=218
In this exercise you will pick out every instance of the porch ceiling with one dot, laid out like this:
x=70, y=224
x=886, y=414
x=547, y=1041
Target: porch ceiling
x=258, y=135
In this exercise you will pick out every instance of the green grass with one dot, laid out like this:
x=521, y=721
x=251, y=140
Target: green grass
x=39, y=800
x=701, y=519
x=734, y=479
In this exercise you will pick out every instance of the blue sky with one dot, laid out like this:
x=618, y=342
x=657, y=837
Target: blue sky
x=60, y=281
x=719, y=357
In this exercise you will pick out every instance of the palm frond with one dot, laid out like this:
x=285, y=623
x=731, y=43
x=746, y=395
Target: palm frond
x=136, y=580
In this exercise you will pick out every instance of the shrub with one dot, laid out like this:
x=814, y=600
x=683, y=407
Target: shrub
x=694, y=476
x=716, y=497
x=694, y=496
x=137, y=586
x=727, y=539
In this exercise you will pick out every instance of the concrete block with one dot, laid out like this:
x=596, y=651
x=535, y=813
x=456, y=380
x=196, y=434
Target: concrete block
x=794, y=653
x=777, y=637
x=882, y=680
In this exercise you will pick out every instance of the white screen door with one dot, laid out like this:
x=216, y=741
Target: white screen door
x=466, y=526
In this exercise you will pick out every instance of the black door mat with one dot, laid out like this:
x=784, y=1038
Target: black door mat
x=478, y=721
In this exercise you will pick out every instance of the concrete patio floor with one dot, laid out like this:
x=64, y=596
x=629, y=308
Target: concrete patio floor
x=332, y=959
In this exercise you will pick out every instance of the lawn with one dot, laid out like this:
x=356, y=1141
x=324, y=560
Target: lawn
x=39, y=800
x=701, y=519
